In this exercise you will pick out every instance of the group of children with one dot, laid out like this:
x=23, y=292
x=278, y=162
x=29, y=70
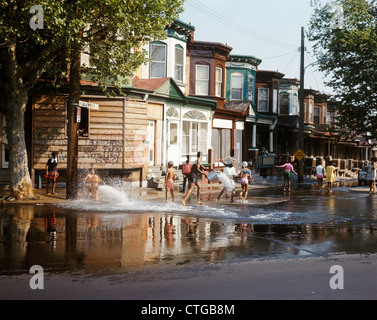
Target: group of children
x=320, y=175
x=198, y=168
x=91, y=181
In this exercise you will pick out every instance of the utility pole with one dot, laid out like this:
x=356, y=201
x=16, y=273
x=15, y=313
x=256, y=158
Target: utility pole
x=73, y=126
x=302, y=109
x=72, y=123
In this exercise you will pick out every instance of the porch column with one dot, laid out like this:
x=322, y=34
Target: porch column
x=254, y=137
x=271, y=141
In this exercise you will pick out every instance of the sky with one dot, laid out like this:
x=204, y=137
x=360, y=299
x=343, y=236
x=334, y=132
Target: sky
x=267, y=29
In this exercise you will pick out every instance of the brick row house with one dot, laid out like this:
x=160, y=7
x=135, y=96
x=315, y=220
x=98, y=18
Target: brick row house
x=191, y=96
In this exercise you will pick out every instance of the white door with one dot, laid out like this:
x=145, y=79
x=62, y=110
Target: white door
x=173, y=142
x=151, y=139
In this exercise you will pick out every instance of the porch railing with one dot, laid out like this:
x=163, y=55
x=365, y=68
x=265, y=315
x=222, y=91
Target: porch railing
x=265, y=161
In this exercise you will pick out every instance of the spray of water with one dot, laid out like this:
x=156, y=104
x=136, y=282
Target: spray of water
x=223, y=178
x=117, y=199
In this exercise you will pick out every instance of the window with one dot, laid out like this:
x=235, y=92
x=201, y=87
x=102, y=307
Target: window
x=194, y=137
x=310, y=112
x=178, y=71
x=158, y=60
x=275, y=101
x=173, y=133
x=330, y=118
x=202, y=80
x=317, y=115
x=263, y=99
x=236, y=84
x=324, y=115
x=219, y=82
x=293, y=110
x=284, y=103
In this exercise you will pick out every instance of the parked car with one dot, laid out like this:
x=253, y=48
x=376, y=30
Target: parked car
x=362, y=176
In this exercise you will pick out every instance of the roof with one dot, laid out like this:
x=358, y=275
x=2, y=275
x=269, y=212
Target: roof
x=237, y=106
x=148, y=84
x=244, y=58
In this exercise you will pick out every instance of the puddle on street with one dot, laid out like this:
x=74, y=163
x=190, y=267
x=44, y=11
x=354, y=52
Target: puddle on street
x=124, y=234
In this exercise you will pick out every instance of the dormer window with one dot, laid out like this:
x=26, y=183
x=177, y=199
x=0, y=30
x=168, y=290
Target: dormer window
x=219, y=82
x=178, y=68
x=158, y=60
x=263, y=99
x=236, y=86
x=202, y=80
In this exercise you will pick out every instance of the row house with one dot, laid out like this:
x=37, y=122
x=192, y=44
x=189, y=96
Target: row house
x=190, y=96
x=322, y=137
x=185, y=122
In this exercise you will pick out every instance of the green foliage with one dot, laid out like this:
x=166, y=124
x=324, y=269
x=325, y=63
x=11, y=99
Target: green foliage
x=109, y=30
x=348, y=55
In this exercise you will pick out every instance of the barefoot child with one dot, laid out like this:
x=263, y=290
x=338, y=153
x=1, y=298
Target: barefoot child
x=330, y=176
x=371, y=176
x=245, y=177
x=169, y=181
x=94, y=181
x=195, y=169
x=319, y=175
x=230, y=172
x=287, y=168
x=52, y=172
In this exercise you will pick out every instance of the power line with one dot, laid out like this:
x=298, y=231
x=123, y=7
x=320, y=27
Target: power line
x=237, y=27
x=282, y=55
x=288, y=66
x=311, y=68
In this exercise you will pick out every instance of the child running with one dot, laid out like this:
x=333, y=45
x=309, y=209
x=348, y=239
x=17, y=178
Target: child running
x=245, y=177
x=195, y=169
x=319, y=175
x=169, y=181
x=288, y=168
x=230, y=172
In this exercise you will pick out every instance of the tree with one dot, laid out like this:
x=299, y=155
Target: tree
x=345, y=36
x=108, y=30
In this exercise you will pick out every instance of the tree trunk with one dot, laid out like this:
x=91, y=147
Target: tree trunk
x=21, y=186
x=73, y=126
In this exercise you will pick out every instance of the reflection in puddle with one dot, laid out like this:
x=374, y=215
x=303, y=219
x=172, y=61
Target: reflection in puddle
x=65, y=239
x=99, y=241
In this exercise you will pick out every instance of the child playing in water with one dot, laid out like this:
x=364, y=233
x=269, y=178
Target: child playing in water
x=287, y=168
x=330, y=176
x=195, y=169
x=245, y=177
x=169, y=181
x=93, y=182
x=230, y=172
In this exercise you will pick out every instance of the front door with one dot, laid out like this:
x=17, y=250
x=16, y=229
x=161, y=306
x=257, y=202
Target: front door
x=173, y=142
x=151, y=138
